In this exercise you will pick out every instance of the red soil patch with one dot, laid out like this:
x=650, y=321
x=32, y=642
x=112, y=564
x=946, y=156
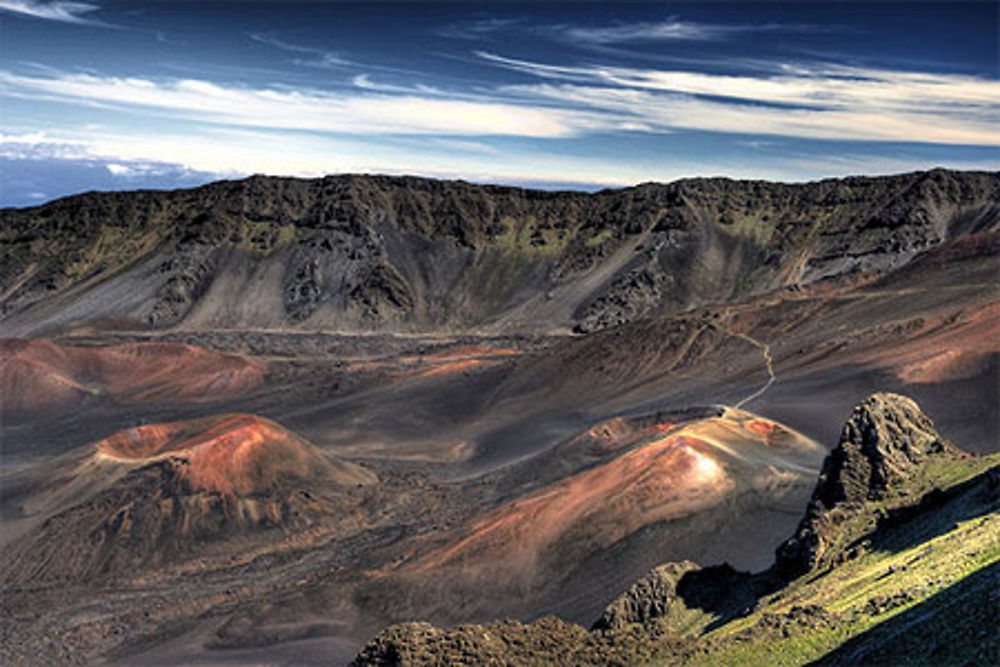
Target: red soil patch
x=233, y=454
x=766, y=429
x=944, y=348
x=673, y=471
x=617, y=433
x=471, y=351
x=38, y=374
x=943, y=366
x=451, y=367
x=665, y=479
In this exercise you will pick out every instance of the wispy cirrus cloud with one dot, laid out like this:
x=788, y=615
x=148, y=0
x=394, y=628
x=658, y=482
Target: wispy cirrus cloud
x=802, y=85
x=658, y=112
x=675, y=29
x=813, y=102
x=56, y=10
x=478, y=29
x=365, y=82
x=820, y=102
x=317, y=57
x=307, y=109
x=669, y=29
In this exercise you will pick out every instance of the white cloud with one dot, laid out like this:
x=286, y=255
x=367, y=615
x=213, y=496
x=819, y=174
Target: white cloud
x=40, y=145
x=659, y=112
x=831, y=102
x=464, y=145
x=364, y=81
x=669, y=30
x=243, y=152
x=820, y=102
x=120, y=169
x=674, y=29
x=67, y=12
x=307, y=109
x=543, y=70
x=235, y=153
x=135, y=170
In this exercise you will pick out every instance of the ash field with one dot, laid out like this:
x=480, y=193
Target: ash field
x=260, y=421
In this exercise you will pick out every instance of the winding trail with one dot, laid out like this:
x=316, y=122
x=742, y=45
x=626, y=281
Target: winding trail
x=765, y=349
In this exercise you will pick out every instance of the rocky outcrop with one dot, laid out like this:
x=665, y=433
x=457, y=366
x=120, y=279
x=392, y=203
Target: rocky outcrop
x=189, y=276
x=629, y=297
x=646, y=599
x=377, y=252
x=546, y=641
x=884, y=442
x=884, y=439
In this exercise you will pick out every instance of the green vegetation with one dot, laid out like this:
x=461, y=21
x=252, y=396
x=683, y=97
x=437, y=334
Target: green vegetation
x=752, y=226
x=599, y=238
x=916, y=564
x=529, y=236
x=265, y=237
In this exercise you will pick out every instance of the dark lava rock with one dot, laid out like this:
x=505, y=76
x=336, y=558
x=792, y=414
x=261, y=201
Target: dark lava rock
x=646, y=599
x=548, y=640
x=883, y=440
x=886, y=438
x=358, y=252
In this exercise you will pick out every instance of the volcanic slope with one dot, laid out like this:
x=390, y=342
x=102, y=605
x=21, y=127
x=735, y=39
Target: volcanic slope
x=930, y=329
x=593, y=506
x=471, y=420
x=362, y=253
x=232, y=533
x=39, y=377
x=897, y=561
x=157, y=494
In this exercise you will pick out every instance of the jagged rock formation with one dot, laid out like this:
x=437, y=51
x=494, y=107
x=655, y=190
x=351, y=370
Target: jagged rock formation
x=884, y=439
x=504, y=643
x=882, y=445
x=546, y=641
x=646, y=599
x=402, y=253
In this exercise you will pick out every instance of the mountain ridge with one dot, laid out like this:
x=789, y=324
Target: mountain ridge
x=381, y=253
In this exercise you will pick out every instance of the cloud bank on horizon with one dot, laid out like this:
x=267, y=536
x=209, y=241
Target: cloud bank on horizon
x=113, y=95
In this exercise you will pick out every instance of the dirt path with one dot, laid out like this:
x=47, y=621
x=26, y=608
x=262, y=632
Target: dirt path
x=765, y=349
x=768, y=363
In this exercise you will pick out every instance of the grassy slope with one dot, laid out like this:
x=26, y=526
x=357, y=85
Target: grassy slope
x=940, y=570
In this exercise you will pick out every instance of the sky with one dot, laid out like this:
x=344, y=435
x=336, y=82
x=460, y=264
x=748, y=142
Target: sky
x=113, y=95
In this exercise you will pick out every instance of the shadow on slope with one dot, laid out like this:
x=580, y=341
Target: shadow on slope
x=938, y=512
x=957, y=626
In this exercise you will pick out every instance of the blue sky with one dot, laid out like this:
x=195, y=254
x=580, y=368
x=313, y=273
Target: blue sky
x=99, y=94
